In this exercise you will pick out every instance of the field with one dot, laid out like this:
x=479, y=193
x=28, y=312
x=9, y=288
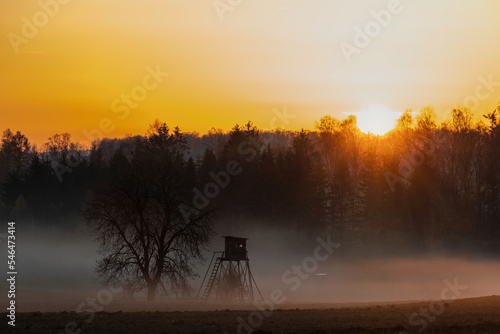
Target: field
x=475, y=315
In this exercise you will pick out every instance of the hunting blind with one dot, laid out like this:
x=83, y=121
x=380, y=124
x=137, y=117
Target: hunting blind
x=230, y=276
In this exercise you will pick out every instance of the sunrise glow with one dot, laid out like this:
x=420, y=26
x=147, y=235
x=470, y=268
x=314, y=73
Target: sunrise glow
x=377, y=120
x=66, y=74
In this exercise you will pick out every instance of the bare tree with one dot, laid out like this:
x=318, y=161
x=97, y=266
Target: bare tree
x=146, y=241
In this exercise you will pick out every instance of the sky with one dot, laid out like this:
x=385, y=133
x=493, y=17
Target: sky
x=110, y=67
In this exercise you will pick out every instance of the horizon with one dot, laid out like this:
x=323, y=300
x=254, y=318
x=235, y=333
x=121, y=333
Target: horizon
x=366, y=116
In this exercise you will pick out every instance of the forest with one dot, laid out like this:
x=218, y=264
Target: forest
x=423, y=188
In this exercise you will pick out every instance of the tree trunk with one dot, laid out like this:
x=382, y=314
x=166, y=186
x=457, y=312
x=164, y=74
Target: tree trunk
x=152, y=285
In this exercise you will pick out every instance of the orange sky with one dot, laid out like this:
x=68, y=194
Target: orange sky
x=265, y=56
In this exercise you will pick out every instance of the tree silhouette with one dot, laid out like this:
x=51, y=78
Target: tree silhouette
x=147, y=242
x=14, y=152
x=422, y=186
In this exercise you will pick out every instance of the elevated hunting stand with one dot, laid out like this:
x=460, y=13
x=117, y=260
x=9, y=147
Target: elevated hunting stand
x=230, y=276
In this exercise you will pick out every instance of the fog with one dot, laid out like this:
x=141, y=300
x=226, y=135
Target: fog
x=53, y=267
x=56, y=271
x=343, y=278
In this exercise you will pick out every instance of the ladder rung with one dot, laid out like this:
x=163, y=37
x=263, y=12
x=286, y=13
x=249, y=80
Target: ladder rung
x=211, y=280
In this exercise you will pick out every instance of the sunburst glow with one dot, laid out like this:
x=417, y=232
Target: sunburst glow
x=377, y=120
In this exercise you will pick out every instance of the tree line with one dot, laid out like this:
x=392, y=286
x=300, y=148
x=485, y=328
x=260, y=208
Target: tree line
x=423, y=187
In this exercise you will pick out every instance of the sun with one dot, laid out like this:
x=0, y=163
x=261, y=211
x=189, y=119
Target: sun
x=377, y=120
